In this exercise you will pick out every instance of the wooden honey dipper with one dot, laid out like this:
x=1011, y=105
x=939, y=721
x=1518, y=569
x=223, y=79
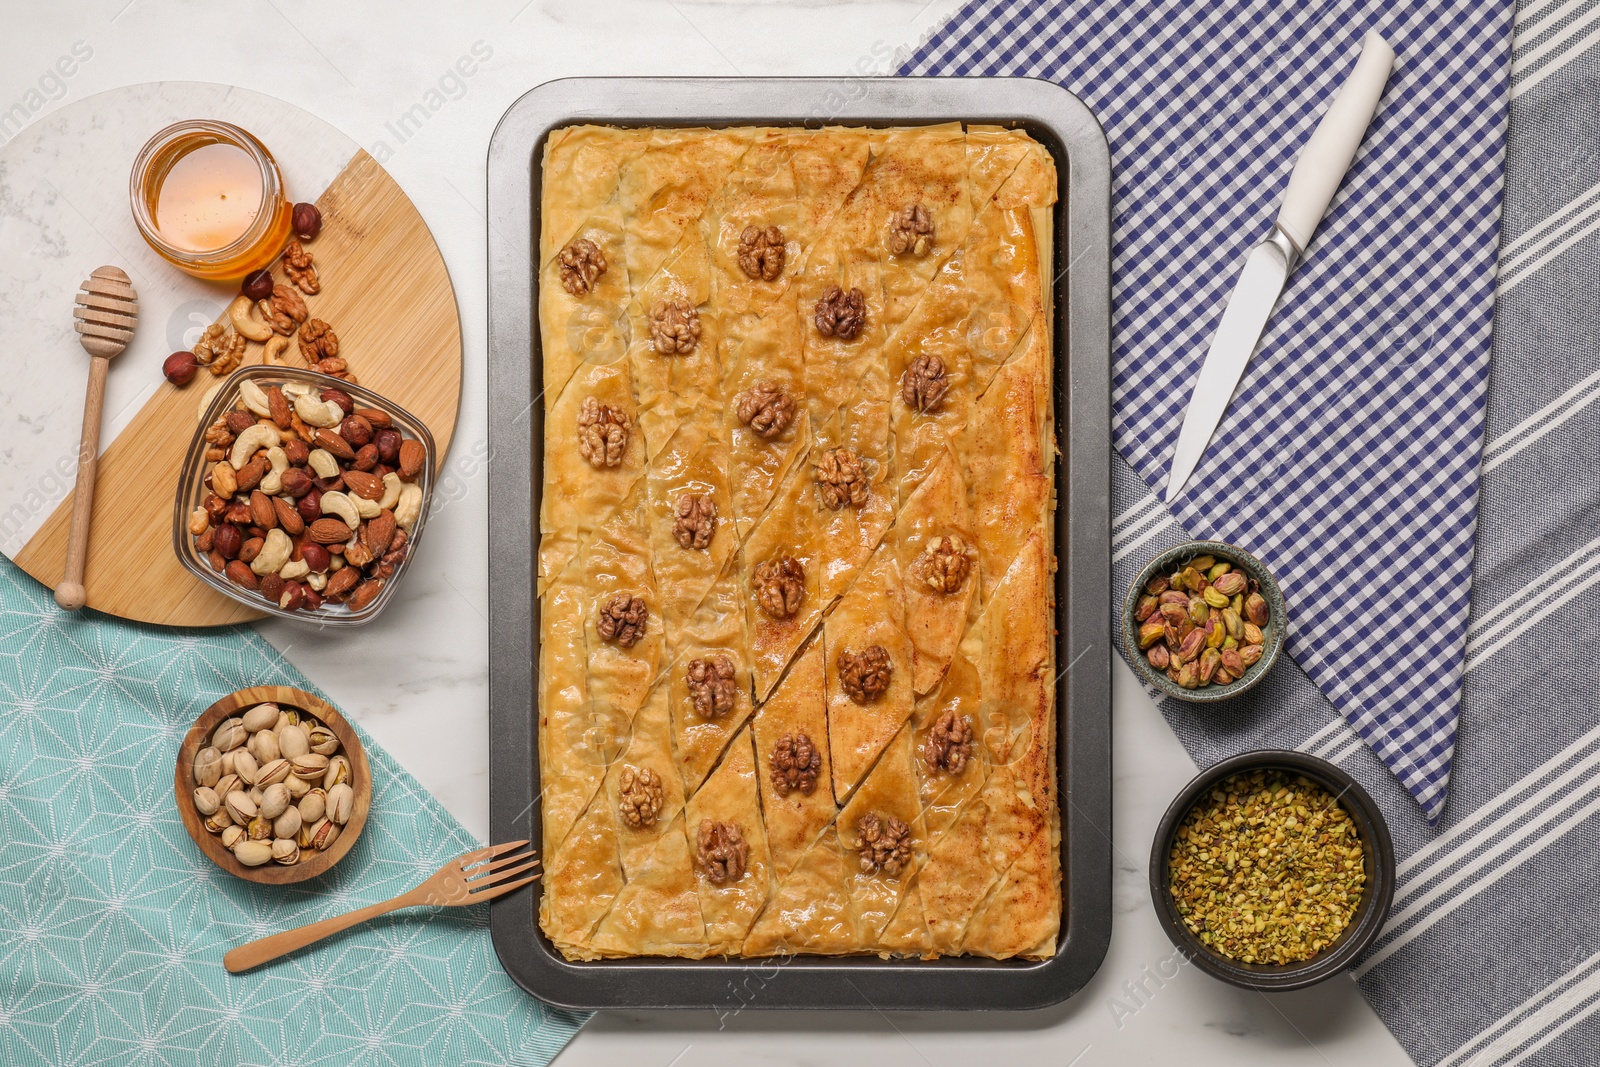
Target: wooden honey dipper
x=107, y=311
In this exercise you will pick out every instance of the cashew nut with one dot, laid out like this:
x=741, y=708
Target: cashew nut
x=367, y=509
x=277, y=344
x=255, y=398
x=317, y=581
x=205, y=401
x=408, y=509
x=317, y=412
x=391, y=490
x=239, y=315
x=272, y=482
x=323, y=463
x=293, y=390
x=295, y=568
x=275, y=552
x=261, y=435
x=340, y=505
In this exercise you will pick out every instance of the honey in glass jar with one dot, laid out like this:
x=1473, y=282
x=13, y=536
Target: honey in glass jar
x=209, y=198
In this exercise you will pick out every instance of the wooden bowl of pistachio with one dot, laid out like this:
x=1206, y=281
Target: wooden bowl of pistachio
x=273, y=784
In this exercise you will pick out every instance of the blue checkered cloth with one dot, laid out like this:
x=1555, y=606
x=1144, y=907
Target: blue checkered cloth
x=1349, y=458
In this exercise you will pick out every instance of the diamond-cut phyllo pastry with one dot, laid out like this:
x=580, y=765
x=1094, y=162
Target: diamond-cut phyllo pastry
x=869, y=684
x=791, y=734
x=734, y=890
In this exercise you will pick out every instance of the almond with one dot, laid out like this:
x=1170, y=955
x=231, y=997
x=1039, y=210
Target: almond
x=262, y=511
x=412, y=455
x=366, y=457
x=250, y=549
x=380, y=532
x=279, y=405
x=333, y=443
x=239, y=573
x=288, y=516
x=375, y=418
x=328, y=532
x=341, y=583
x=251, y=473
x=363, y=484
x=364, y=594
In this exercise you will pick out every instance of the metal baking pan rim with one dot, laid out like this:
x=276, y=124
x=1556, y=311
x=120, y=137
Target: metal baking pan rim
x=1082, y=404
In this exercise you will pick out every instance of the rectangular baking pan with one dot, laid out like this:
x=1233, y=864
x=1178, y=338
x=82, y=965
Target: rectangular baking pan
x=1082, y=402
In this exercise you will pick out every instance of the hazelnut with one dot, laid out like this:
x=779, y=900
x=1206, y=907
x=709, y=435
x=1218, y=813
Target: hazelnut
x=340, y=397
x=180, y=367
x=356, y=430
x=310, y=503
x=307, y=222
x=315, y=556
x=388, y=442
x=296, y=451
x=227, y=541
x=292, y=597
x=257, y=285
x=272, y=586
x=295, y=482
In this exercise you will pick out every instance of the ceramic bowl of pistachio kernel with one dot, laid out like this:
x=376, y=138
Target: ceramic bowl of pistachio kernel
x=1273, y=870
x=273, y=784
x=1203, y=622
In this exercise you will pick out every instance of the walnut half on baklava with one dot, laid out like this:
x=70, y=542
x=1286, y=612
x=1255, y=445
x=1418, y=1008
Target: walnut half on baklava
x=797, y=675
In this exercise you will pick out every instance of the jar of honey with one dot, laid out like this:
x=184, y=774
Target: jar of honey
x=209, y=198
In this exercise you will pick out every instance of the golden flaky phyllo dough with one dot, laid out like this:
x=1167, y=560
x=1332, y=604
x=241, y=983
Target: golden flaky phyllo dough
x=797, y=683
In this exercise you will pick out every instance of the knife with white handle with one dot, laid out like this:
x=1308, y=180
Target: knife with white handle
x=1316, y=177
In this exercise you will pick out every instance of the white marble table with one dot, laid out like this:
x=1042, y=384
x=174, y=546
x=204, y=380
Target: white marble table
x=386, y=75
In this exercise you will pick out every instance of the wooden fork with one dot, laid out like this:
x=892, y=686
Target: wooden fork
x=473, y=878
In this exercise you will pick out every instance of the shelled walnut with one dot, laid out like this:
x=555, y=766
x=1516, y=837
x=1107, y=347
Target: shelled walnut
x=765, y=408
x=780, y=586
x=318, y=342
x=640, y=797
x=696, y=520
x=674, y=327
x=721, y=851
x=285, y=311
x=943, y=565
x=622, y=619
x=865, y=674
x=841, y=314
x=911, y=231
x=219, y=349
x=949, y=744
x=301, y=269
x=711, y=686
x=602, y=433
x=924, y=383
x=761, y=252
x=885, y=843
x=581, y=265
x=795, y=763
x=842, y=478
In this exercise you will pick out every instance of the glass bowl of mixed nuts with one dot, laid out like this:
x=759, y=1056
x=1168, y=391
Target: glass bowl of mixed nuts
x=273, y=784
x=1273, y=870
x=1203, y=622
x=303, y=496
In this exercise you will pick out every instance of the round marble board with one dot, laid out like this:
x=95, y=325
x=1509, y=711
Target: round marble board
x=64, y=201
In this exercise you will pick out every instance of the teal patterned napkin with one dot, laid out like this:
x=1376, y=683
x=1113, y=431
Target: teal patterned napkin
x=113, y=924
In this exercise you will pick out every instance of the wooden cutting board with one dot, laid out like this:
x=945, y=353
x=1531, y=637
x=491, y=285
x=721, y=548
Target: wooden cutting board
x=387, y=295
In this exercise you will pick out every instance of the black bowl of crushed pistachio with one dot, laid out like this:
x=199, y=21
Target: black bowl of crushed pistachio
x=1203, y=622
x=1273, y=870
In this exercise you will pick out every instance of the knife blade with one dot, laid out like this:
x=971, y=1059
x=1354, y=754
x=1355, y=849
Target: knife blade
x=1312, y=183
